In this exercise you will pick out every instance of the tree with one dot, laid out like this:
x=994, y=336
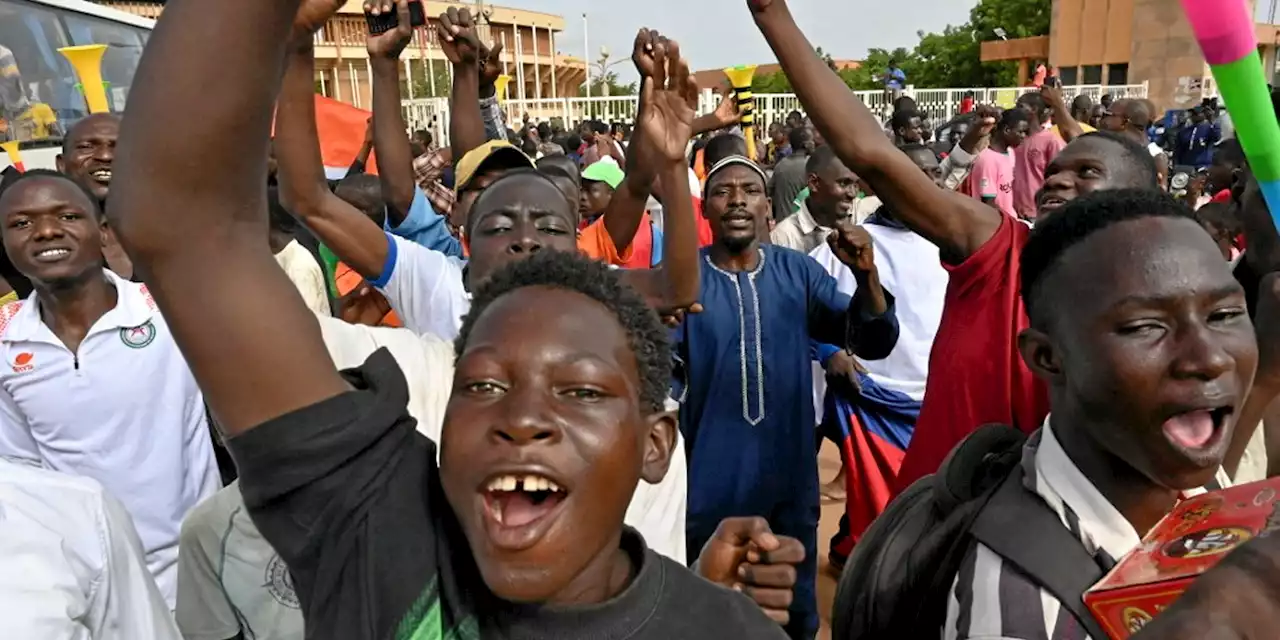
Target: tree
x=611, y=80
x=953, y=58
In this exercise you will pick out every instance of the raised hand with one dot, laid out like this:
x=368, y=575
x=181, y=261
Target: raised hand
x=390, y=44
x=668, y=98
x=758, y=6
x=458, y=37
x=728, y=113
x=852, y=245
x=490, y=64
x=312, y=14
x=1052, y=95
x=642, y=54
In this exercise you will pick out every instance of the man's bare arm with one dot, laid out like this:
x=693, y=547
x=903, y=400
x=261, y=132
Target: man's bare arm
x=457, y=34
x=670, y=95
x=959, y=226
x=351, y=235
x=178, y=219
x=395, y=160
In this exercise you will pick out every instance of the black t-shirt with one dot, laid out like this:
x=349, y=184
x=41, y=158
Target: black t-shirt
x=348, y=493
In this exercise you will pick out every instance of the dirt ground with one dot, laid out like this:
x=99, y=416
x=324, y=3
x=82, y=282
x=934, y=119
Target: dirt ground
x=828, y=466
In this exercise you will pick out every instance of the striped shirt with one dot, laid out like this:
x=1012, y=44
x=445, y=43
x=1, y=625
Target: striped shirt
x=991, y=600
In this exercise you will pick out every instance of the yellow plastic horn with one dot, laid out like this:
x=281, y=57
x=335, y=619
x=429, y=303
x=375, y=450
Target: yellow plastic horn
x=501, y=85
x=740, y=78
x=87, y=61
x=15, y=156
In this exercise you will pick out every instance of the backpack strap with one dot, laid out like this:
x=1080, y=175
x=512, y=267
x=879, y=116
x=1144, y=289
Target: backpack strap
x=1024, y=531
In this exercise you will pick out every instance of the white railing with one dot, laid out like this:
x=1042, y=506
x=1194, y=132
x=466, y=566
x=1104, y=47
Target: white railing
x=939, y=105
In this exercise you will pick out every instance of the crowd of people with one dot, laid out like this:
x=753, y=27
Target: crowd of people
x=490, y=392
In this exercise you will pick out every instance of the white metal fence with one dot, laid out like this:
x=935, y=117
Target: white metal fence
x=938, y=105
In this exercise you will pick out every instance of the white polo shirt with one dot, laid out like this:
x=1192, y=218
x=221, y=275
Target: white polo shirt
x=124, y=410
x=70, y=563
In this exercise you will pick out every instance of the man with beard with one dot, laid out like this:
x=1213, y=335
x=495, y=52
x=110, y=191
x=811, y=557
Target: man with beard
x=747, y=414
x=975, y=374
x=87, y=154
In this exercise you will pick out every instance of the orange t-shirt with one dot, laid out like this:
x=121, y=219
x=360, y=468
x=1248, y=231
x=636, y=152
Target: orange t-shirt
x=594, y=242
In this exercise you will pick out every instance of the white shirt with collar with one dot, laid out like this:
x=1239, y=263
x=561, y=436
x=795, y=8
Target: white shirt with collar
x=799, y=231
x=1000, y=601
x=71, y=565
x=123, y=410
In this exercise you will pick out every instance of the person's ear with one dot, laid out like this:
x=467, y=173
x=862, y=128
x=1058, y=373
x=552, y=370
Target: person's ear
x=813, y=185
x=1040, y=355
x=62, y=166
x=660, y=444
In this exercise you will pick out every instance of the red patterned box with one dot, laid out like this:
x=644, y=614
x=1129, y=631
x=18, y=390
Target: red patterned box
x=1187, y=542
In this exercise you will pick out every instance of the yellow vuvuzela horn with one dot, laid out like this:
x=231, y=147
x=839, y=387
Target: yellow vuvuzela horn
x=501, y=85
x=87, y=61
x=740, y=78
x=15, y=157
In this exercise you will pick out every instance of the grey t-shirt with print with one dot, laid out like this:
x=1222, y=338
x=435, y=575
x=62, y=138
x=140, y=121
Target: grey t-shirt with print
x=230, y=581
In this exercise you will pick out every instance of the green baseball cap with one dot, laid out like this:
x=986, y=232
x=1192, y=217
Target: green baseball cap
x=606, y=172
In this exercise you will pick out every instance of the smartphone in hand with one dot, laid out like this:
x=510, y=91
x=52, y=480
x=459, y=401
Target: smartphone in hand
x=388, y=21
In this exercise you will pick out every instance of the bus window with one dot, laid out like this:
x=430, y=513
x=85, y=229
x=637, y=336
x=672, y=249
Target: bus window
x=124, y=48
x=37, y=85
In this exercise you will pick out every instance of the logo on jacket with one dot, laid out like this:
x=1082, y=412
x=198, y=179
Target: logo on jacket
x=280, y=583
x=139, y=336
x=22, y=363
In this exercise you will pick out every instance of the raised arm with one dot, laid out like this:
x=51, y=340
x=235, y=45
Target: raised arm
x=725, y=115
x=1068, y=128
x=361, y=163
x=626, y=209
x=177, y=218
x=959, y=226
x=462, y=46
x=352, y=236
x=669, y=96
x=395, y=160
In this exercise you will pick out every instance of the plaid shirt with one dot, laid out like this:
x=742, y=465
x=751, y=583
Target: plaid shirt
x=427, y=169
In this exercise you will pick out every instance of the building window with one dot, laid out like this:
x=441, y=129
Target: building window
x=1092, y=74
x=1069, y=76
x=1118, y=74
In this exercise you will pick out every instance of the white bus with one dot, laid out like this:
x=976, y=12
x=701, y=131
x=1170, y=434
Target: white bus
x=39, y=96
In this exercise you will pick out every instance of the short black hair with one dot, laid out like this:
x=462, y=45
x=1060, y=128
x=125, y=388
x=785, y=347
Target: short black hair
x=1079, y=219
x=1137, y=158
x=561, y=165
x=1035, y=102
x=799, y=137
x=95, y=208
x=721, y=147
x=1012, y=117
x=364, y=192
x=599, y=126
x=903, y=118
x=424, y=135
x=573, y=142
x=1230, y=152
x=544, y=131
x=821, y=158
x=1221, y=215
x=73, y=132
x=646, y=336
x=905, y=103
x=1081, y=103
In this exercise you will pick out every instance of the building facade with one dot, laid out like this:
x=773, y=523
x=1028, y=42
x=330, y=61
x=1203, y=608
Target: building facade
x=1111, y=42
x=343, y=72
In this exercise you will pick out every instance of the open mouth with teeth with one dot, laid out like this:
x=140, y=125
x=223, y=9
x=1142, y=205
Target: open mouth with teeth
x=736, y=221
x=102, y=176
x=52, y=255
x=516, y=506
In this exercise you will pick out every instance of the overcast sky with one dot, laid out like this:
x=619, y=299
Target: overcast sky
x=720, y=33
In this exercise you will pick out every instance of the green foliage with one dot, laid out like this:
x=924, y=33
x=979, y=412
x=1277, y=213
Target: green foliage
x=422, y=80
x=952, y=58
x=611, y=79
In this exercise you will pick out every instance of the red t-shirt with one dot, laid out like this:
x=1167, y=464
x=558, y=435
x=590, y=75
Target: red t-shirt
x=976, y=376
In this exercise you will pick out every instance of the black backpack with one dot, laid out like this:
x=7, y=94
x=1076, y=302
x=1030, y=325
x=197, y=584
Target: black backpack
x=896, y=583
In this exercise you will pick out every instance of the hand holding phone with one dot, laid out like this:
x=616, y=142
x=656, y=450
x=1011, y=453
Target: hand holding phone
x=384, y=21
